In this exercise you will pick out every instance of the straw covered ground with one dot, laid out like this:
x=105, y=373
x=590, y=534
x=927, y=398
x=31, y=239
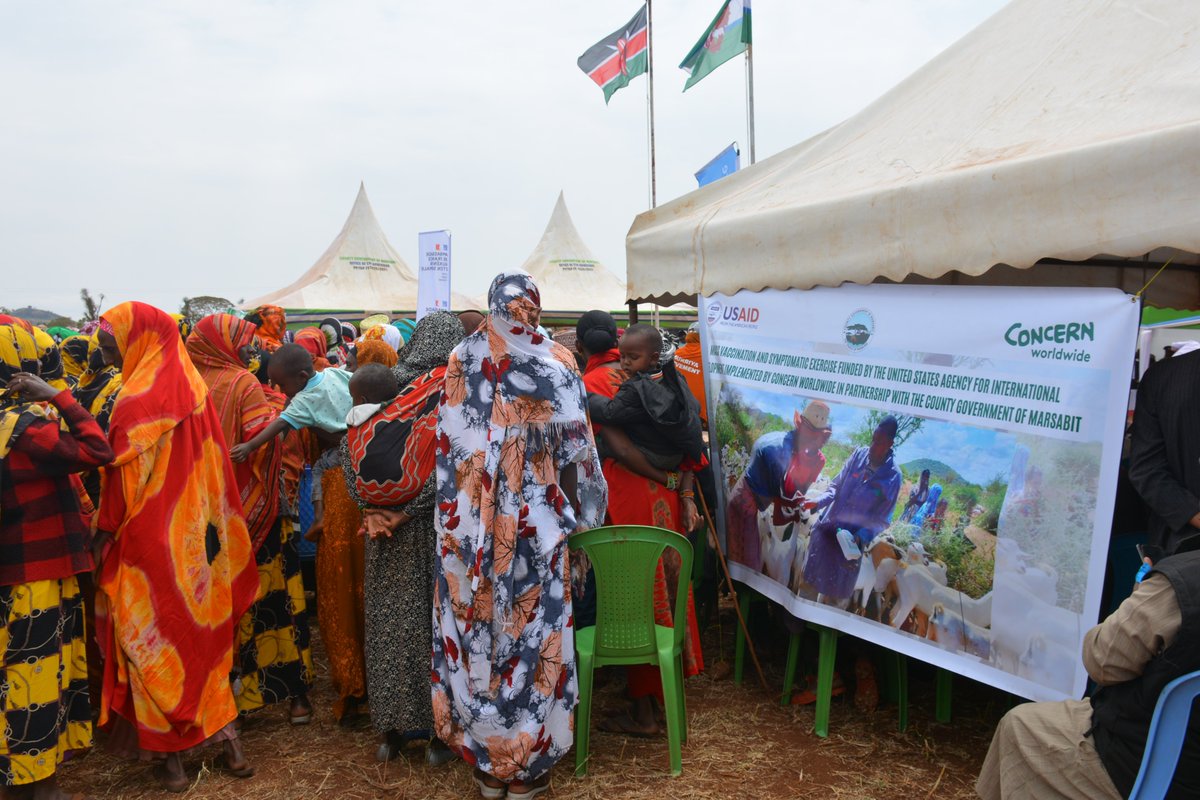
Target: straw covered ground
x=742, y=744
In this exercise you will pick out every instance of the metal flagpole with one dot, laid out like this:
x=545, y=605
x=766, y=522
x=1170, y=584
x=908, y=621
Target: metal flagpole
x=633, y=312
x=650, y=96
x=750, y=98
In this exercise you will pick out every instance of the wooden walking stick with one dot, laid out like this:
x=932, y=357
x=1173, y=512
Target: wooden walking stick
x=729, y=581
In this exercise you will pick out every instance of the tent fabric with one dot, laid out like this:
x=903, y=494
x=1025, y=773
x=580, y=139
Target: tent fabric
x=1064, y=130
x=359, y=271
x=567, y=274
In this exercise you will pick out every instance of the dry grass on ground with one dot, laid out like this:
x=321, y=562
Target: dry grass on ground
x=742, y=745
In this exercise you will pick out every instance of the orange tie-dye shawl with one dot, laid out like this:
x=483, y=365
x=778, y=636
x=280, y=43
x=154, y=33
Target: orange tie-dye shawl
x=214, y=346
x=179, y=573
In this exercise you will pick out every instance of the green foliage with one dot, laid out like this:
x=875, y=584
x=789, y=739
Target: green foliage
x=92, y=306
x=907, y=425
x=197, y=308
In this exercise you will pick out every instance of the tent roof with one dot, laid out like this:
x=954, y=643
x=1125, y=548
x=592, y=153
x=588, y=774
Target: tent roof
x=569, y=277
x=1060, y=130
x=359, y=271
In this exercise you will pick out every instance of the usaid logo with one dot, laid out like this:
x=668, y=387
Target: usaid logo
x=737, y=316
x=714, y=312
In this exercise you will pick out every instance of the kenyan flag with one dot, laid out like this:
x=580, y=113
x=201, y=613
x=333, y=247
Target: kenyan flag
x=618, y=57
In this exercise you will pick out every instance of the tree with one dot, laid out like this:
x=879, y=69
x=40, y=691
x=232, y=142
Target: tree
x=92, y=306
x=196, y=308
x=906, y=426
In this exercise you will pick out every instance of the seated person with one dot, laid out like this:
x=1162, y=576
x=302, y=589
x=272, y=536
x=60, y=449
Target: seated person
x=654, y=406
x=1093, y=748
x=318, y=400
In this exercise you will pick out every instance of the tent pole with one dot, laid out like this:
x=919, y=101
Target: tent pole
x=633, y=317
x=750, y=99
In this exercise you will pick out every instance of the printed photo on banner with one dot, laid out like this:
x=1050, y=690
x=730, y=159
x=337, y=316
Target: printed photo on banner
x=925, y=500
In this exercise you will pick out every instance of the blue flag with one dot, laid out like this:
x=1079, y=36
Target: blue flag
x=726, y=162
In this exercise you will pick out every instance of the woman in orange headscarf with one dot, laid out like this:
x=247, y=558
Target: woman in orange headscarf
x=312, y=340
x=176, y=569
x=272, y=326
x=274, y=658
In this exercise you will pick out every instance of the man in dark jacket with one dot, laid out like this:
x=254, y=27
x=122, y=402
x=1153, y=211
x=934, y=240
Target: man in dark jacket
x=1093, y=749
x=1164, y=458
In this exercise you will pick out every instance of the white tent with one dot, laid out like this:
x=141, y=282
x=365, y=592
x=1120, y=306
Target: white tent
x=359, y=271
x=569, y=277
x=1065, y=130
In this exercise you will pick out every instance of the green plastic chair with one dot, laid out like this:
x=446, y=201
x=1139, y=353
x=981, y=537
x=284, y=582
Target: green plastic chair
x=624, y=559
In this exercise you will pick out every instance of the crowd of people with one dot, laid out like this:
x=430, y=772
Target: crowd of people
x=151, y=473
x=150, y=515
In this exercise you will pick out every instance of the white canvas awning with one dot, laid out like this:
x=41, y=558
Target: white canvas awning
x=359, y=271
x=567, y=274
x=1055, y=130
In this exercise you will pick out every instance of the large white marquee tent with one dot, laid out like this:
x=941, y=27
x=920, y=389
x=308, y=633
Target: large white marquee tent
x=1052, y=134
x=360, y=271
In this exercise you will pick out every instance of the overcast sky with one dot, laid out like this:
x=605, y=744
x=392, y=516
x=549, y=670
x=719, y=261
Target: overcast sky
x=155, y=150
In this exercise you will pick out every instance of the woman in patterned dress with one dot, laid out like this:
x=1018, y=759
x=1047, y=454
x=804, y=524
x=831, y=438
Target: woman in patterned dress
x=391, y=477
x=517, y=473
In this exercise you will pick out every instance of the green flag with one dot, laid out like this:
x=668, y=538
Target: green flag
x=727, y=35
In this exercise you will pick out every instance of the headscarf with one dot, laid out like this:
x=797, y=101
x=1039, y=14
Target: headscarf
x=434, y=338
x=514, y=414
x=60, y=333
x=386, y=333
x=184, y=324
x=180, y=572
x=74, y=350
x=312, y=340
x=272, y=327
x=98, y=385
x=392, y=453
x=159, y=386
x=243, y=410
x=24, y=348
x=406, y=328
x=375, y=351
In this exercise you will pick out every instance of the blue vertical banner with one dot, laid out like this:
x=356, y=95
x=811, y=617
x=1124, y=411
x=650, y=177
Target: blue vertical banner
x=433, y=272
x=725, y=163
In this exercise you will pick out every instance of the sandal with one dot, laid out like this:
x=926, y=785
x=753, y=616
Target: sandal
x=809, y=695
x=535, y=788
x=486, y=790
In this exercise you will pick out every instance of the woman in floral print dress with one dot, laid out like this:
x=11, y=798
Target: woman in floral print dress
x=517, y=473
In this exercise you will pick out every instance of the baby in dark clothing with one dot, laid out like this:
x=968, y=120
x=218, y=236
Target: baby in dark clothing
x=654, y=406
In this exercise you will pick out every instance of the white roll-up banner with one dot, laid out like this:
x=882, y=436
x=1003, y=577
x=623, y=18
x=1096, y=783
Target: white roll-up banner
x=433, y=272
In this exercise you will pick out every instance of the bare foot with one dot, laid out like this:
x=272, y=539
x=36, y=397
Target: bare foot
x=235, y=760
x=170, y=774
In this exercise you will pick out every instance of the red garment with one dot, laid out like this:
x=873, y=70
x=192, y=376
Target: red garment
x=214, y=347
x=392, y=453
x=180, y=572
x=43, y=534
x=312, y=340
x=634, y=500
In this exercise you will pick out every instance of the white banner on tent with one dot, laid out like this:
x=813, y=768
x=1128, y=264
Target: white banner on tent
x=978, y=542
x=433, y=281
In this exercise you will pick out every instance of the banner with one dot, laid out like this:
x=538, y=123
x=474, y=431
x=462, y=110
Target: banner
x=724, y=163
x=931, y=468
x=433, y=272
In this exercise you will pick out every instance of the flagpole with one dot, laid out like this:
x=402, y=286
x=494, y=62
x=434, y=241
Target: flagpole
x=650, y=97
x=633, y=311
x=750, y=99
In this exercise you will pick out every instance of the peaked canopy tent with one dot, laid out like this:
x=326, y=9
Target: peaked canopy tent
x=1064, y=135
x=360, y=272
x=570, y=278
